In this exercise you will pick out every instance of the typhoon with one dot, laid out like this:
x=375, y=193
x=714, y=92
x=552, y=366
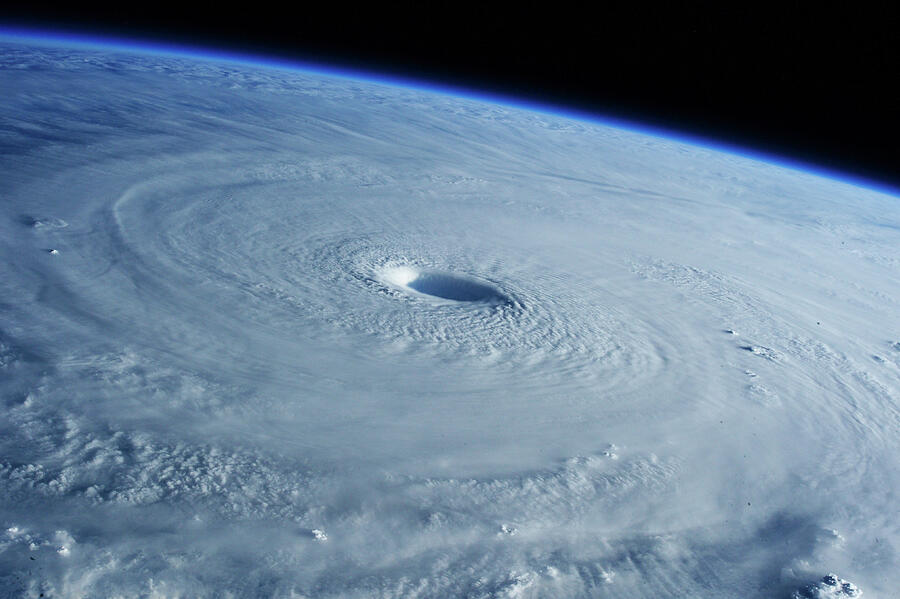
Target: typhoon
x=275, y=332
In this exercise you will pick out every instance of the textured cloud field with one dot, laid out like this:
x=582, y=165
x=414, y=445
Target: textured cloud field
x=272, y=333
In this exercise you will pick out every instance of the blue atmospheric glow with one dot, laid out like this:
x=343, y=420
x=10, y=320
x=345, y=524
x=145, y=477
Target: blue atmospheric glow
x=146, y=46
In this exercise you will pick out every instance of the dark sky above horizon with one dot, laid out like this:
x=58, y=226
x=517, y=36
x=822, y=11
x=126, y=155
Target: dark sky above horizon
x=809, y=83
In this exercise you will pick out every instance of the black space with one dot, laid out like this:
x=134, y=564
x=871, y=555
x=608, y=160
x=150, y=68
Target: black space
x=804, y=81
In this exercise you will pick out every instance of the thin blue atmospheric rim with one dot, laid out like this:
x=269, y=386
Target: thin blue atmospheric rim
x=148, y=46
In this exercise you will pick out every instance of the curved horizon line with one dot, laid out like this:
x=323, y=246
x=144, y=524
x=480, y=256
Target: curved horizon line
x=151, y=46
